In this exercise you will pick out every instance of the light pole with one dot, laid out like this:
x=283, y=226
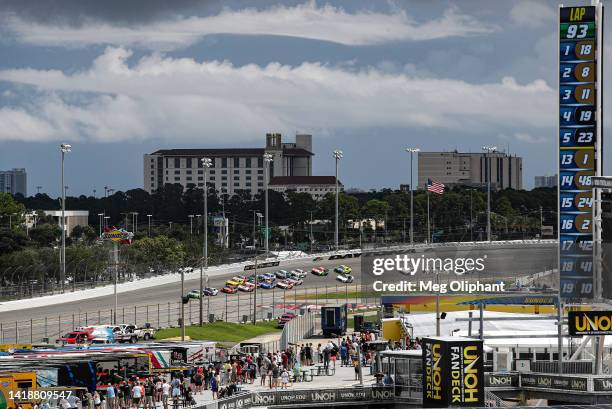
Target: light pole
x=100, y=216
x=64, y=148
x=411, y=151
x=106, y=218
x=190, y=226
x=206, y=163
x=135, y=221
x=488, y=150
x=38, y=189
x=94, y=193
x=149, y=217
x=268, y=157
x=337, y=155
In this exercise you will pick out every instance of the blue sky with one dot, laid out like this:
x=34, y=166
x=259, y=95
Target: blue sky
x=117, y=81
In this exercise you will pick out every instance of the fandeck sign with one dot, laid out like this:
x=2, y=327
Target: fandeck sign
x=453, y=373
x=589, y=323
x=579, y=145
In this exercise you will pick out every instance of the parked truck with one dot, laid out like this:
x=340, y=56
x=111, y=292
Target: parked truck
x=334, y=320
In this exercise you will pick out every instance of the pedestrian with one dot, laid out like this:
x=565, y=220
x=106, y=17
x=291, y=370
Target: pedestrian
x=97, y=400
x=214, y=387
x=149, y=393
x=165, y=393
x=111, y=396
x=284, y=378
x=136, y=395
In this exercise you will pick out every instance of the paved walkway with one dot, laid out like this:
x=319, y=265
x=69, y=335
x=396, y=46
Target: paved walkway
x=344, y=377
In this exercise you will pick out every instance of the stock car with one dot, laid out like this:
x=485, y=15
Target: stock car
x=319, y=271
x=236, y=281
x=284, y=285
x=282, y=274
x=345, y=278
x=229, y=290
x=343, y=269
x=268, y=277
x=267, y=285
x=247, y=287
x=295, y=281
x=298, y=272
x=285, y=318
x=211, y=291
x=208, y=291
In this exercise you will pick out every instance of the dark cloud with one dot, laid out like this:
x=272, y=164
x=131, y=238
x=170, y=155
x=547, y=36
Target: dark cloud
x=119, y=12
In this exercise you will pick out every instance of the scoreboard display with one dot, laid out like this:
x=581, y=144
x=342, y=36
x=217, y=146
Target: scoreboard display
x=579, y=146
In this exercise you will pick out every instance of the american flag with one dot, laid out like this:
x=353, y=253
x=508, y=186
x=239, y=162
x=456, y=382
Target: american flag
x=435, y=187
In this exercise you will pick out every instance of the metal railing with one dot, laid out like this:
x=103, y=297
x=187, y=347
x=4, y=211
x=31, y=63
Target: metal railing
x=569, y=367
x=300, y=327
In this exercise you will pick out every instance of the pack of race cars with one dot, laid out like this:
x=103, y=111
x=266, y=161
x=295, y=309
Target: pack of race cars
x=281, y=279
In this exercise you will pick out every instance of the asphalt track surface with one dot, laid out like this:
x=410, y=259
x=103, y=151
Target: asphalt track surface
x=513, y=259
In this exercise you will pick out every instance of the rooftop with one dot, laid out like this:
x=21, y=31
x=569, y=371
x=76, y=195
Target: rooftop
x=303, y=180
x=229, y=152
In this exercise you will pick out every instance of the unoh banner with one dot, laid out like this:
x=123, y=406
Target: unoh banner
x=589, y=323
x=453, y=373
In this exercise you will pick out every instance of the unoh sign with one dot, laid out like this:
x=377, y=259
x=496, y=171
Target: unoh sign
x=590, y=323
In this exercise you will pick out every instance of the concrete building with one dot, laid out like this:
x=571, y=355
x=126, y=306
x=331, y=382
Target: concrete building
x=545, y=181
x=73, y=218
x=316, y=186
x=233, y=169
x=458, y=168
x=14, y=181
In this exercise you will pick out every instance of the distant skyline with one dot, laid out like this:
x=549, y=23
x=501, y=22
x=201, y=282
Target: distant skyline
x=119, y=80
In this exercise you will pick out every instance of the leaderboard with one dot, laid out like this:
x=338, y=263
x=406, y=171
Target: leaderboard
x=578, y=153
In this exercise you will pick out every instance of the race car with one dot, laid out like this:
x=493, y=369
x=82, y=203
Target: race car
x=319, y=271
x=298, y=272
x=236, y=281
x=345, y=278
x=211, y=291
x=229, y=290
x=282, y=274
x=285, y=318
x=284, y=285
x=246, y=287
x=267, y=285
x=268, y=277
x=343, y=269
x=194, y=294
x=295, y=281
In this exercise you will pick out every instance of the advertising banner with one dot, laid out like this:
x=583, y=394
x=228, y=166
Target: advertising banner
x=501, y=380
x=589, y=323
x=566, y=383
x=602, y=384
x=453, y=373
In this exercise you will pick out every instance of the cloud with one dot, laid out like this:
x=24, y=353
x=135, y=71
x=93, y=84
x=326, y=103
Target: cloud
x=308, y=20
x=182, y=100
x=528, y=138
x=531, y=14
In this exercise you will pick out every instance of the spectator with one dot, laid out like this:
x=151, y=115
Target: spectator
x=284, y=378
x=165, y=393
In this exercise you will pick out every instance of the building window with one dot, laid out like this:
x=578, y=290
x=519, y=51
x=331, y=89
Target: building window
x=177, y=162
x=236, y=162
x=236, y=171
x=259, y=177
x=199, y=160
x=260, y=184
x=200, y=172
x=212, y=178
x=152, y=173
x=200, y=184
x=236, y=184
x=177, y=172
x=188, y=162
x=224, y=162
x=224, y=172
x=248, y=171
x=152, y=179
x=223, y=177
x=260, y=162
x=248, y=163
x=248, y=178
x=236, y=177
x=224, y=184
x=176, y=179
x=189, y=172
x=152, y=166
x=248, y=184
x=200, y=177
x=212, y=171
x=167, y=163
x=260, y=172
x=188, y=177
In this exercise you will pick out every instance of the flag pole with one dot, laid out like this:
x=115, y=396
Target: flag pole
x=428, y=229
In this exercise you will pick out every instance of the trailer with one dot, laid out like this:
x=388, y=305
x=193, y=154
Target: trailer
x=334, y=320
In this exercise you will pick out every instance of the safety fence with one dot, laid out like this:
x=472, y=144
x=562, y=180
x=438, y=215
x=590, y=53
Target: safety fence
x=300, y=327
x=239, y=307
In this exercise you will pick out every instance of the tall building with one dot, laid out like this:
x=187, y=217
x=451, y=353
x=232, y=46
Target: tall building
x=458, y=168
x=14, y=181
x=233, y=169
x=545, y=181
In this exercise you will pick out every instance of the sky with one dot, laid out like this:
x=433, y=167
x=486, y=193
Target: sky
x=120, y=79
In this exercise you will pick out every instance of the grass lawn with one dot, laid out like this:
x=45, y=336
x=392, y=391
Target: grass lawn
x=221, y=331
